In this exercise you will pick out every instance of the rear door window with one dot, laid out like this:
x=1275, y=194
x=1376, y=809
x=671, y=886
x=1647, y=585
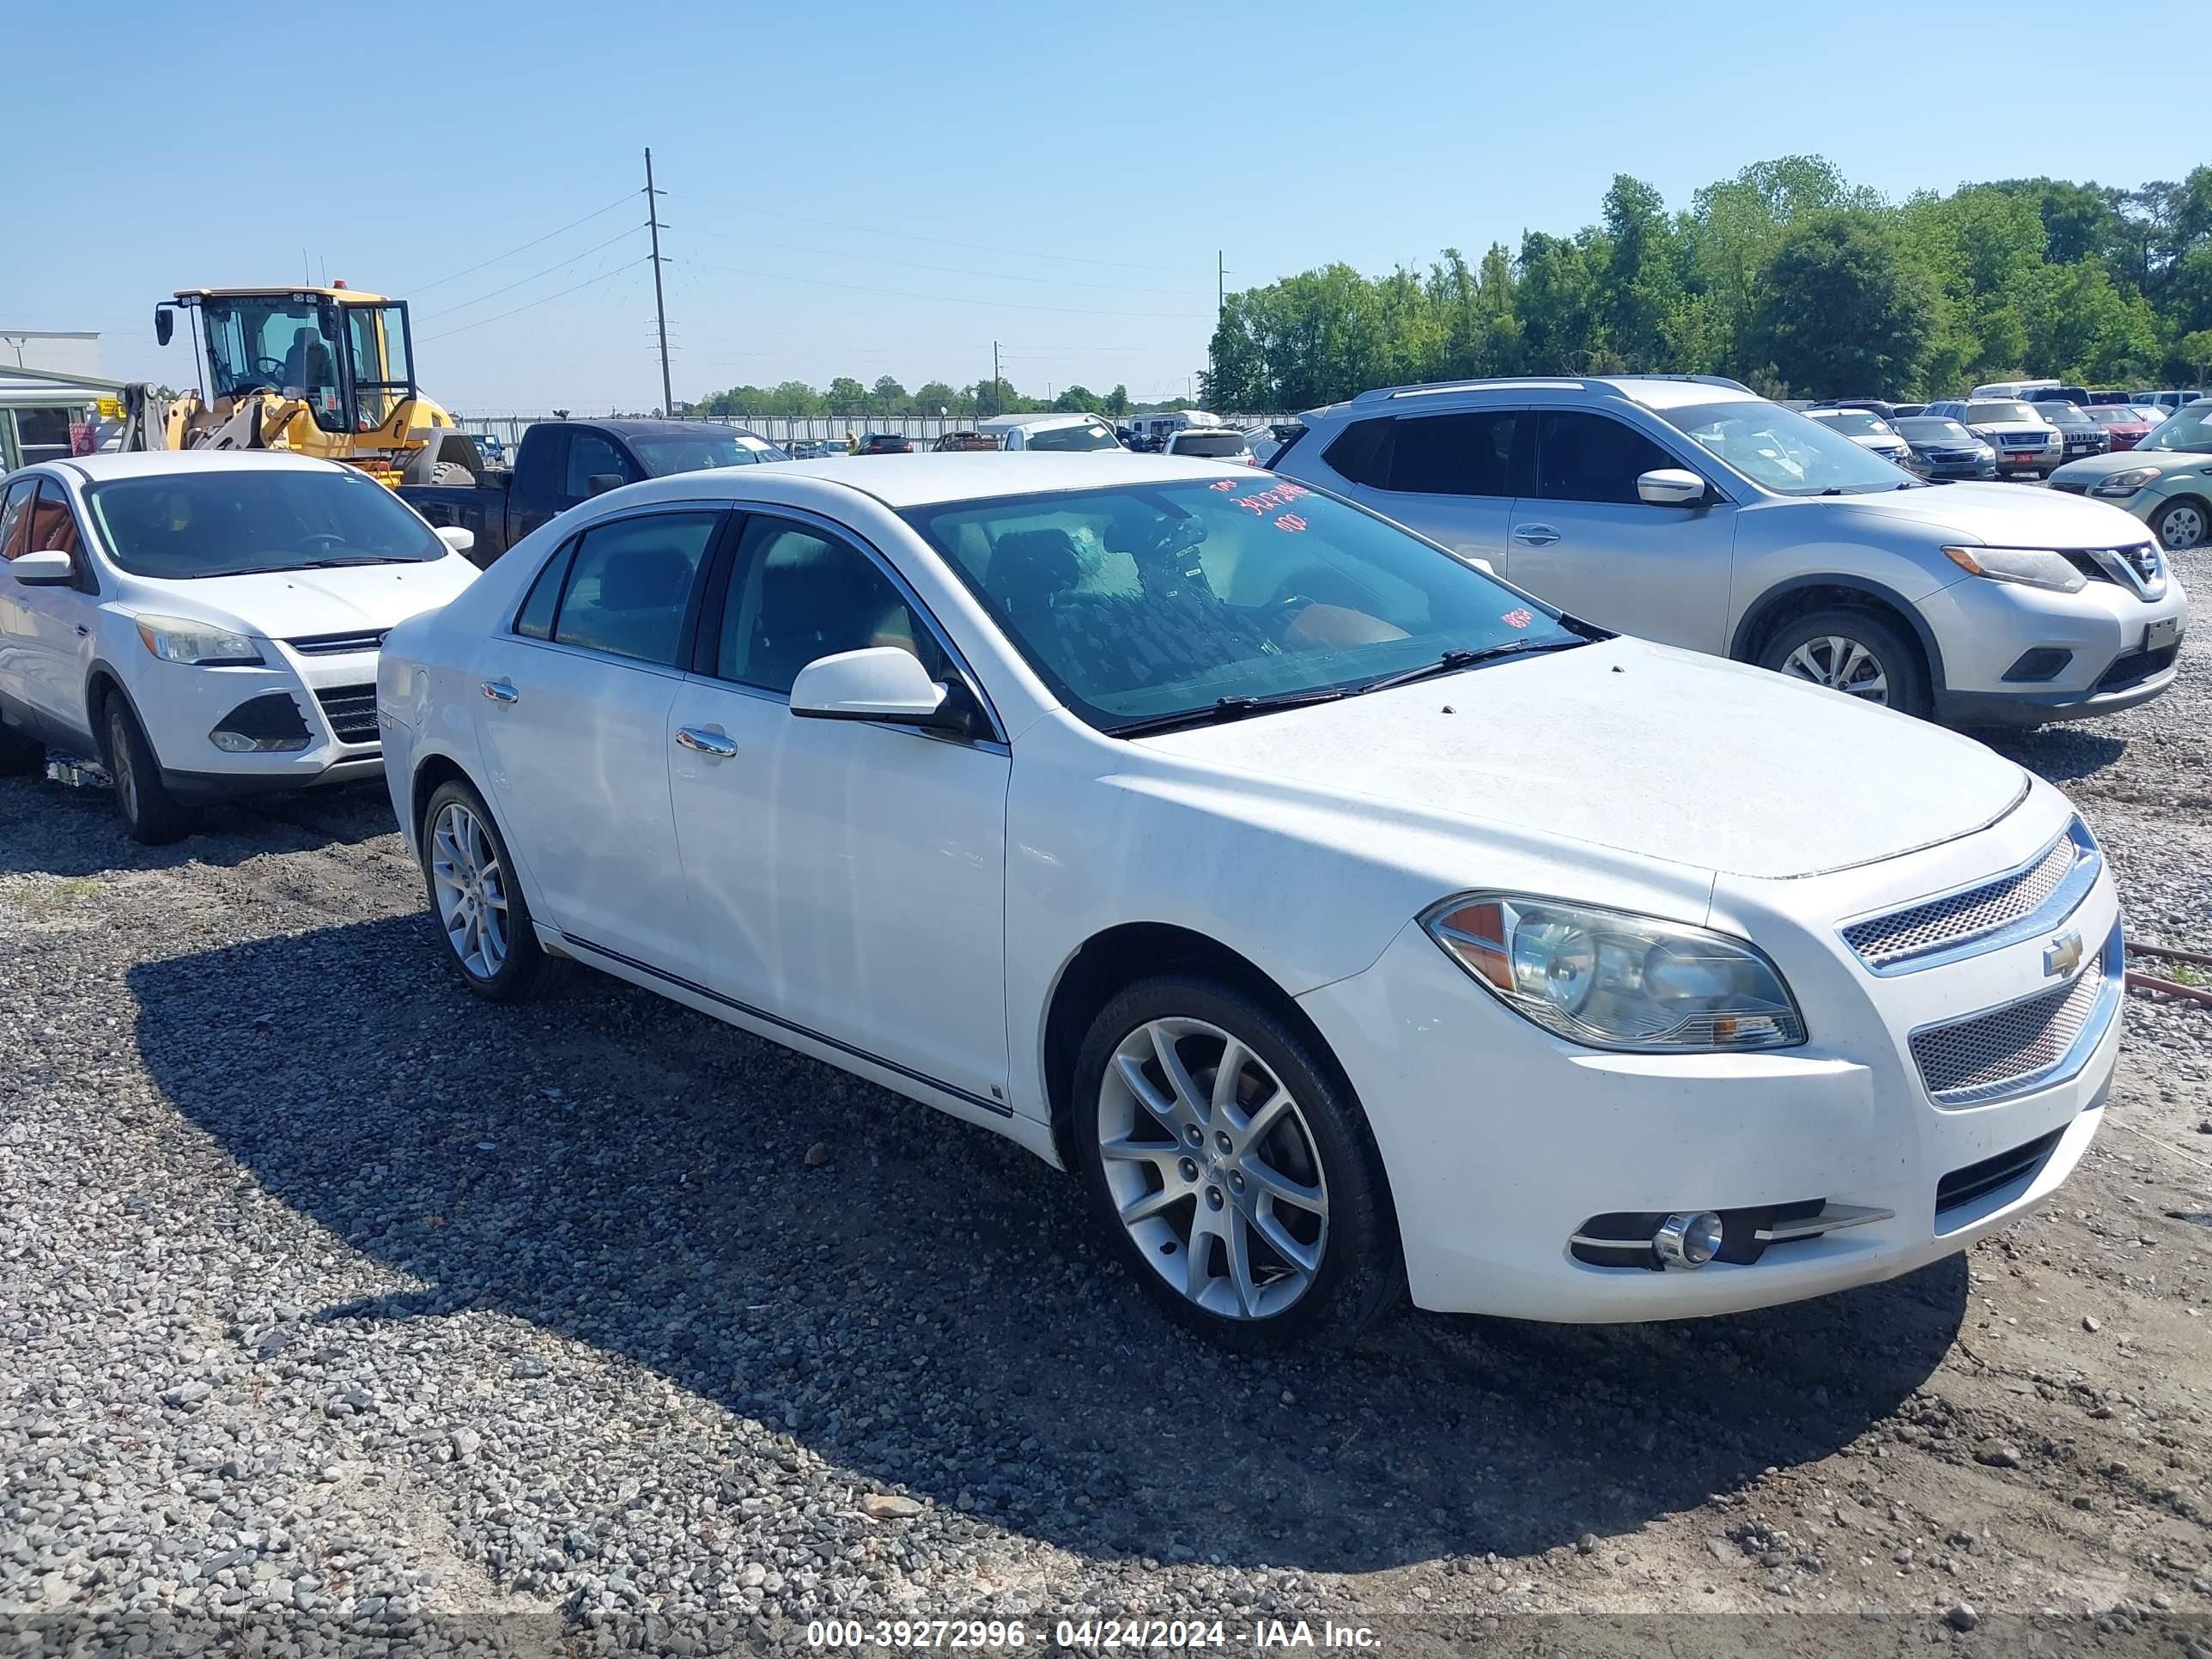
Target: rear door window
x=1470, y=454
x=1592, y=458
x=628, y=593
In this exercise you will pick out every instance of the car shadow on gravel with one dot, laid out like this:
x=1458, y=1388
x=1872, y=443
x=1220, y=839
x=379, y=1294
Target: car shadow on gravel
x=921, y=1303
x=69, y=830
x=2059, y=754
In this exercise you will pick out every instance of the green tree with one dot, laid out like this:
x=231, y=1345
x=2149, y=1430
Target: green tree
x=1843, y=308
x=935, y=395
x=892, y=396
x=1080, y=400
x=847, y=396
x=2195, y=351
x=1117, y=400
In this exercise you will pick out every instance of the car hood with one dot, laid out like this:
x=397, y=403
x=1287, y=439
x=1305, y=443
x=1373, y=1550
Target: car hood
x=1662, y=754
x=297, y=603
x=2004, y=515
x=2090, y=468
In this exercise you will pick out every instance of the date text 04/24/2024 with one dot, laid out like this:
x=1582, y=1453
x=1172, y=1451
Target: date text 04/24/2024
x=1097, y=1635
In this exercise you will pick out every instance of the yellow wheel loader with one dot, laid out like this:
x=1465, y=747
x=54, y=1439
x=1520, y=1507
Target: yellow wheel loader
x=319, y=371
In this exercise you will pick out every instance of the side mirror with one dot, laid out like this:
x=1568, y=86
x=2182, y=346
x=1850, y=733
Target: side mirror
x=165, y=324
x=453, y=536
x=50, y=567
x=599, y=483
x=882, y=683
x=1671, y=486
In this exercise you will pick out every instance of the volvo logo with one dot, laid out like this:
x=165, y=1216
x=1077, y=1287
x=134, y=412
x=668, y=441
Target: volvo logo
x=2062, y=955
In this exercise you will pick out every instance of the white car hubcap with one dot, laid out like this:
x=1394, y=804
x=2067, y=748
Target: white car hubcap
x=1212, y=1168
x=1841, y=664
x=470, y=889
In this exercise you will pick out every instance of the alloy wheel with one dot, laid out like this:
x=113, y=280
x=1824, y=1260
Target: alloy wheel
x=1212, y=1168
x=1841, y=664
x=2182, y=527
x=471, y=888
x=126, y=781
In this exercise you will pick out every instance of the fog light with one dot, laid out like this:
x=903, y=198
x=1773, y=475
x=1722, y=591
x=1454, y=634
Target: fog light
x=268, y=724
x=1687, y=1241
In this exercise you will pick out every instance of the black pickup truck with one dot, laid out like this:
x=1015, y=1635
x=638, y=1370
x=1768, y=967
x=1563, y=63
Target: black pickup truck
x=560, y=463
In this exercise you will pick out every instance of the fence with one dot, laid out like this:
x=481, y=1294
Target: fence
x=787, y=428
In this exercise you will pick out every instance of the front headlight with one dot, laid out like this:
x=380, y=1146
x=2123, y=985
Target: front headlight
x=1610, y=980
x=2030, y=567
x=2124, y=483
x=174, y=639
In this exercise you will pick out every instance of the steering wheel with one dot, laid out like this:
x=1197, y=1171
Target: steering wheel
x=325, y=538
x=269, y=371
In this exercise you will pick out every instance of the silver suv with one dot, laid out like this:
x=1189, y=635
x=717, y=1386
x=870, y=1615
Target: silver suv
x=1689, y=510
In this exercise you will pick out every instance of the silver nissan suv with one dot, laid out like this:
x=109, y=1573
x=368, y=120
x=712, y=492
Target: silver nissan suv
x=1690, y=510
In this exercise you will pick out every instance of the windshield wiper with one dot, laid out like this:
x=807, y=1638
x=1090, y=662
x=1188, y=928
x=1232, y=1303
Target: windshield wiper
x=341, y=564
x=1452, y=661
x=1223, y=708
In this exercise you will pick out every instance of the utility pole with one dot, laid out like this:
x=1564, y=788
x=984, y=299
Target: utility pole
x=998, y=393
x=659, y=306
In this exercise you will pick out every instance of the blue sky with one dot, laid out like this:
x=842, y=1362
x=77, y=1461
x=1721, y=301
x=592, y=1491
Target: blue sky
x=864, y=190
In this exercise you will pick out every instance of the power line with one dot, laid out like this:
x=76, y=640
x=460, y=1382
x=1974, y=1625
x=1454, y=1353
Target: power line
x=940, y=241
x=521, y=281
x=532, y=305
x=420, y=288
x=949, y=271
x=940, y=299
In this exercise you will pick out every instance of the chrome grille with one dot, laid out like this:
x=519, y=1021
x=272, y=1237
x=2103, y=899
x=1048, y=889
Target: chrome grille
x=1957, y=919
x=2007, y=1048
x=338, y=645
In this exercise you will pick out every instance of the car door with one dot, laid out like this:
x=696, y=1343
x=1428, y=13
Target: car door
x=14, y=618
x=848, y=877
x=1453, y=476
x=50, y=629
x=1586, y=542
x=573, y=713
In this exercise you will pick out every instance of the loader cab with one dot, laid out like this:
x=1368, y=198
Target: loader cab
x=344, y=357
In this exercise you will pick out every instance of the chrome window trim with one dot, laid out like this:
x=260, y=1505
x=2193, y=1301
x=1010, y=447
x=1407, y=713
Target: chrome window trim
x=2064, y=899
x=2111, y=963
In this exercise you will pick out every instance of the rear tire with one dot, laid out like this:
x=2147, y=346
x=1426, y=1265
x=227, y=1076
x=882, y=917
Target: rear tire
x=482, y=919
x=1853, y=649
x=1253, y=1209
x=22, y=756
x=153, y=816
x=451, y=472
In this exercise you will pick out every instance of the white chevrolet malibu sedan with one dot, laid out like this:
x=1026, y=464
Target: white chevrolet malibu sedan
x=1345, y=919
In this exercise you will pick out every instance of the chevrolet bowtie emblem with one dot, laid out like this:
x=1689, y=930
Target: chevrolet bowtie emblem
x=2062, y=955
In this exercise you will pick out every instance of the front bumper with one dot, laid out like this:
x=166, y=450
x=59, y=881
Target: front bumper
x=1984, y=629
x=1501, y=1142
x=335, y=695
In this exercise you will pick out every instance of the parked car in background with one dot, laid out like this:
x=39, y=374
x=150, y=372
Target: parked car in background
x=964, y=443
x=1049, y=432
x=2169, y=400
x=812, y=449
x=1690, y=510
x=2014, y=389
x=561, y=463
x=1942, y=448
x=2166, y=480
x=205, y=624
x=2026, y=445
x=2107, y=395
x=2057, y=393
x=1874, y=405
x=884, y=443
x=2083, y=436
x=1151, y=431
x=2123, y=425
x=1224, y=443
x=1864, y=427
x=1899, y=411
x=1120, y=806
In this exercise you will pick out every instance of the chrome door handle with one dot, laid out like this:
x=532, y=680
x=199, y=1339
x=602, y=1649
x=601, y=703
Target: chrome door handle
x=501, y=691
x=1534, y=535
x=719, y=744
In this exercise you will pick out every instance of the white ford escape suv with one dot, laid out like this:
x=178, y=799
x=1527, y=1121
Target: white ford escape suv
x=1689, y=510
x=204, y=624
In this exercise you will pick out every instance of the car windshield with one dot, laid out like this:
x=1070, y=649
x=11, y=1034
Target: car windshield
x=1784, y=452
x=663, y=453
x=178, y=525
x=2063, y=415
x=1853, y=422
x=1934, y=429
x=1210, y=446
x=1143, y=602
x=2111, y=415
x=1091, y=434
x=2191, y=430
x=2006, y=413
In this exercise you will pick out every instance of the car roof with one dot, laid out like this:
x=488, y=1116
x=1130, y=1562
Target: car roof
x=141, y=464
x=1651, y=391
x=1008, y=422
x=927, y=479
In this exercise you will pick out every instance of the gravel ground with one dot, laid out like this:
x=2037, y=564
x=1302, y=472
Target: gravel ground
x=340, y=1310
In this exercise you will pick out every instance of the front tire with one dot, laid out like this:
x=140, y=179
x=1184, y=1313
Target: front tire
x=1233, y=1170
x=153, y=816
x=482, y=918
x=2182, y=524
x=1853, y=650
